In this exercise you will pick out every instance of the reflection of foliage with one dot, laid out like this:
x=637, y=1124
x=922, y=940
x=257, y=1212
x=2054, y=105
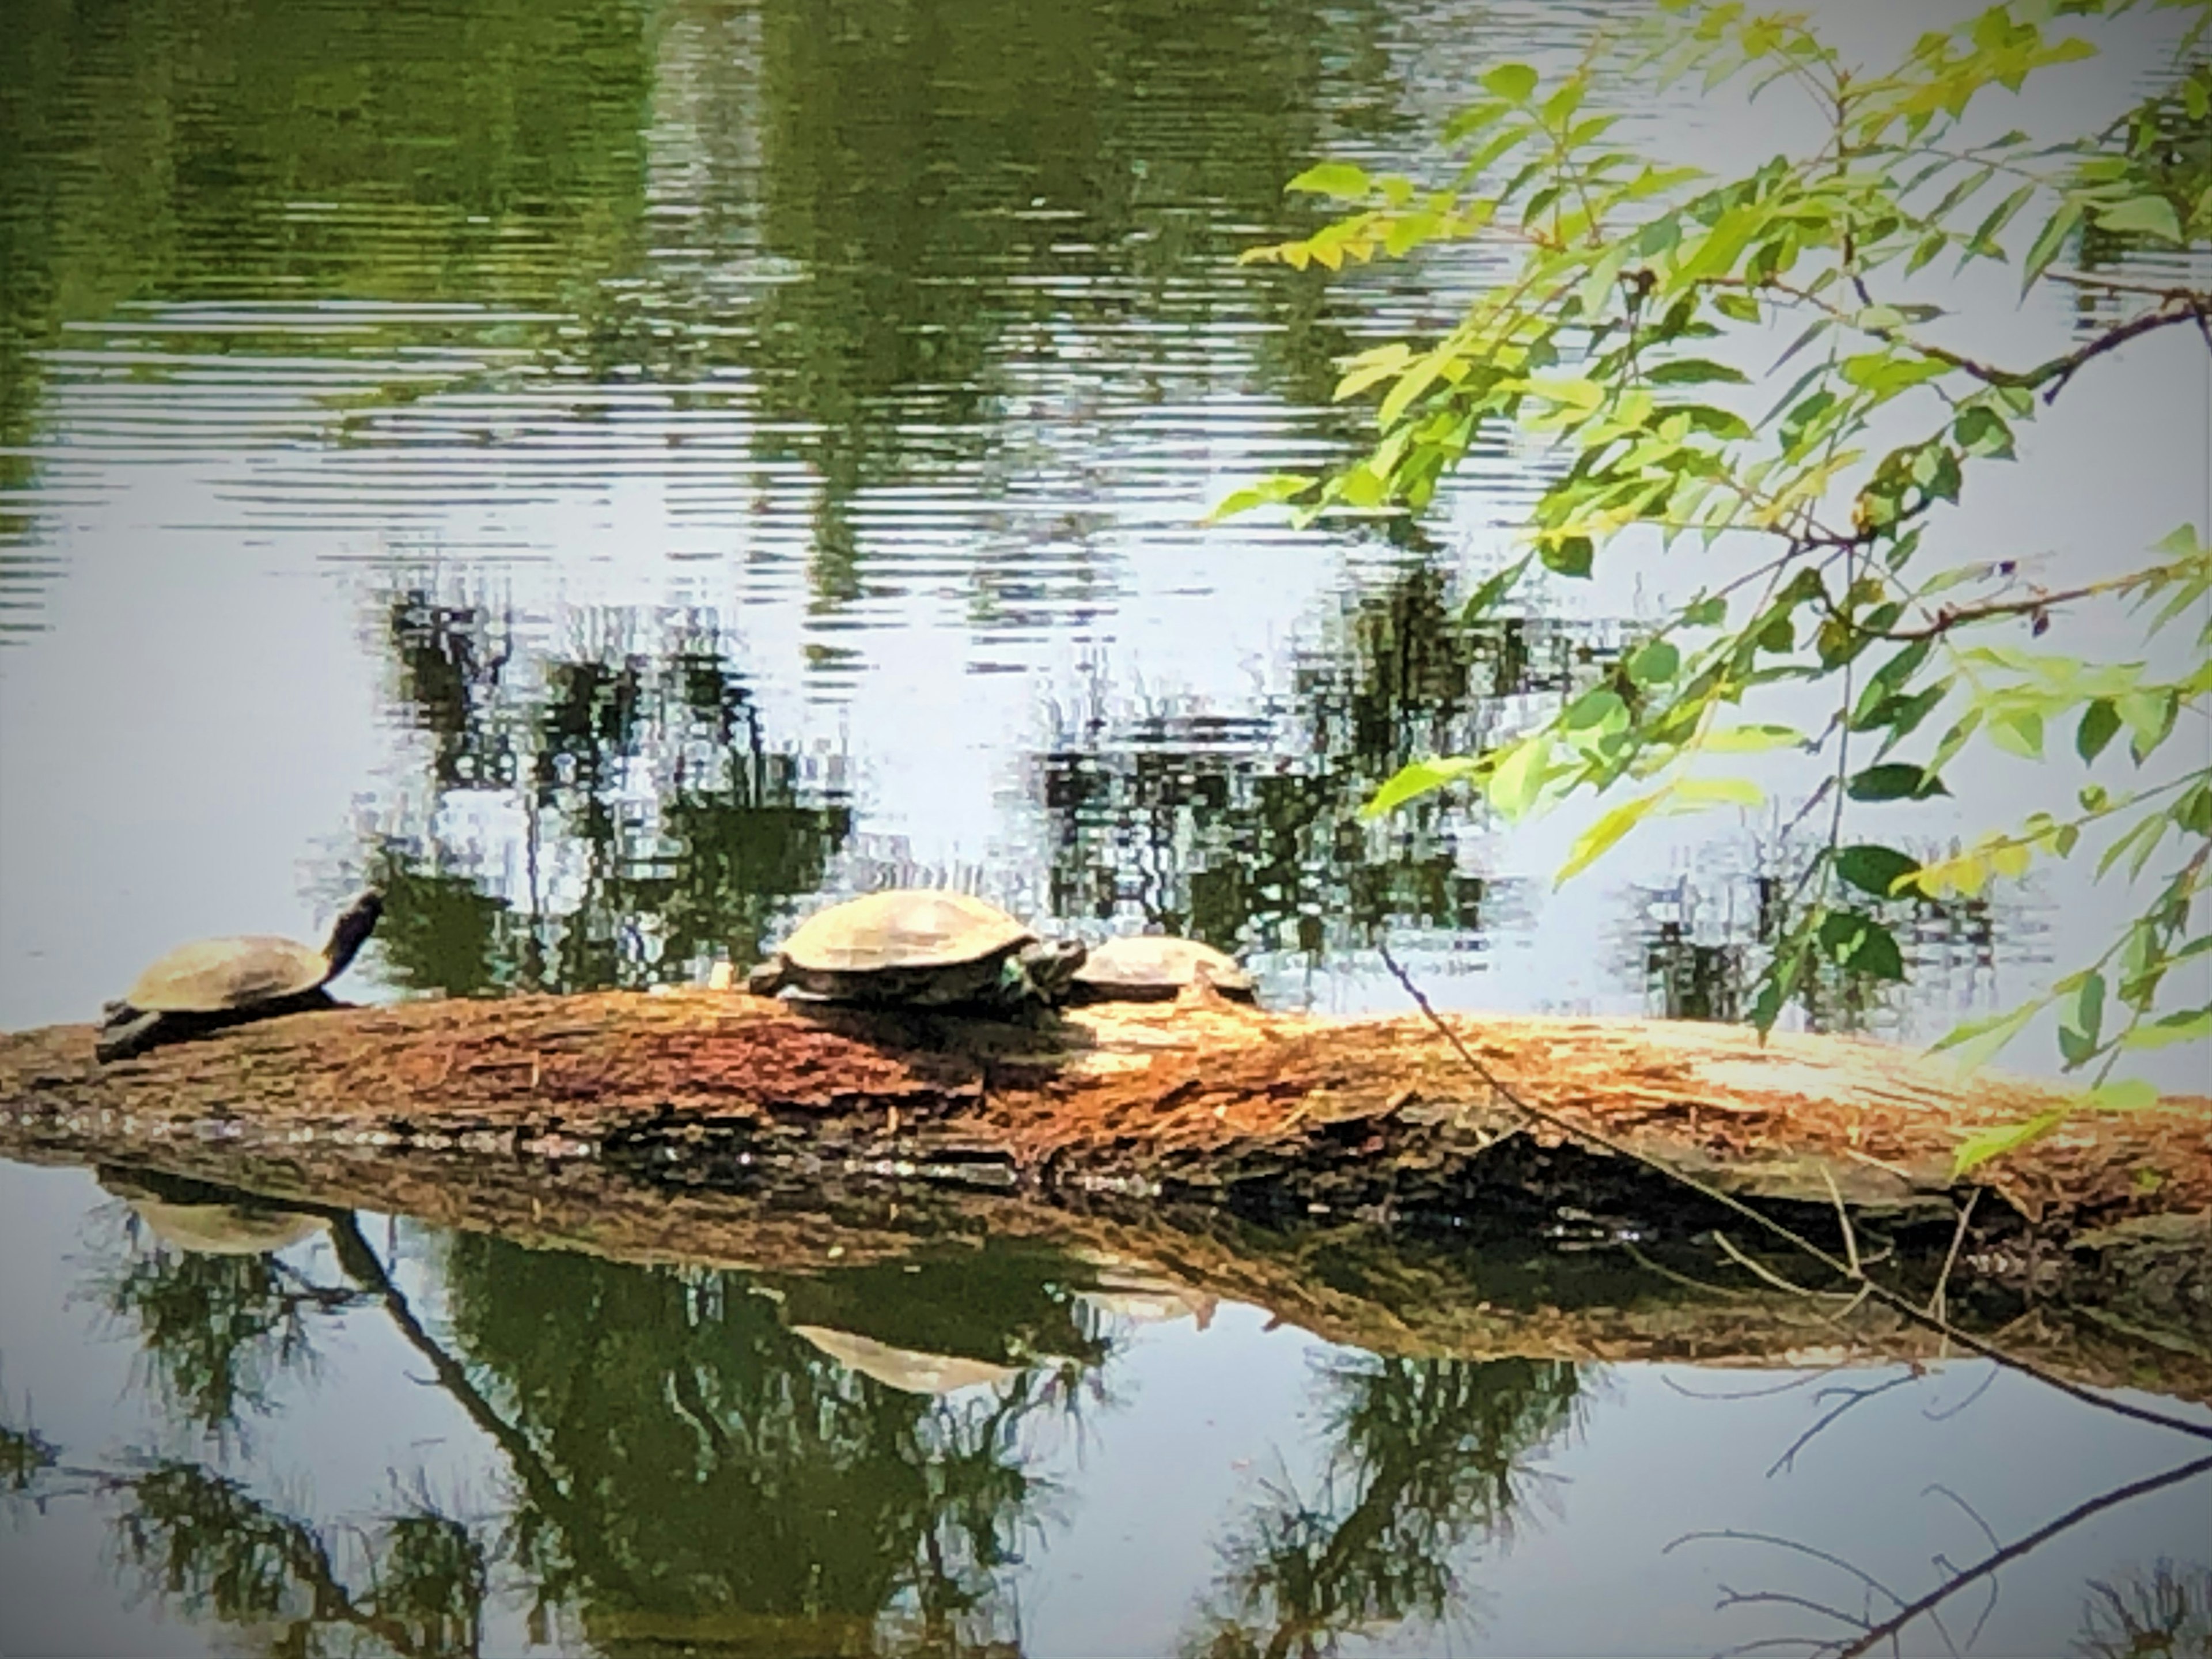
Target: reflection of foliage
x=658, y=828
x=1704, y=939
x=1204, y=826
x=214, y=1331
x=2166, y=1615
x=204, y=1544
x=1429, y=1455
x=729, y=1471
x=25, y=1453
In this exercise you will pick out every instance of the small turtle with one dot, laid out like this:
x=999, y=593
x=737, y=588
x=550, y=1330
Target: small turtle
x=1152, y=967
x=215, y=982
x=919, y=948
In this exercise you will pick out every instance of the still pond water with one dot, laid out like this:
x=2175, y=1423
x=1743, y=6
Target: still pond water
x=614, y=472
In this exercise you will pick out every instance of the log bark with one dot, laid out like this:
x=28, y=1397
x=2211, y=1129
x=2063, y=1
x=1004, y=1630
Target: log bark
x=1198, y=1099
x=1242, y=1153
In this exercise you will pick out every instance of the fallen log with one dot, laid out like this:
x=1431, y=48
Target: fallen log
x=1241, y=1152
x=1197, y=1099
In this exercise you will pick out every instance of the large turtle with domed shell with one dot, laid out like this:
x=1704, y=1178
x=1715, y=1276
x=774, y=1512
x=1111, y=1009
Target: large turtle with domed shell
x=920, y=948
x=213, y=983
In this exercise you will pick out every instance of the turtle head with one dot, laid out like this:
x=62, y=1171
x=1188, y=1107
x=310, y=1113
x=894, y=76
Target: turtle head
x=351, y=930
x=1050, y=966
x=767, y=978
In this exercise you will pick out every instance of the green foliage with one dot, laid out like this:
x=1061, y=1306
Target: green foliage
x=1609, y=343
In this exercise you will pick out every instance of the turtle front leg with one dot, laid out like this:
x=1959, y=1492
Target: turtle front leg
x=124, y=1032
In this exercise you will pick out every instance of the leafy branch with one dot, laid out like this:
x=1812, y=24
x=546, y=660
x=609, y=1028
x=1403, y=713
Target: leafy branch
x=1614, y=350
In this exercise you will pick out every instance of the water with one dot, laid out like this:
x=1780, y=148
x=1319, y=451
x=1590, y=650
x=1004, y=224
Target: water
x=615, y=473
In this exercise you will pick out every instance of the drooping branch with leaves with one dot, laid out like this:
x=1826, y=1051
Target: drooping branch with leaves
x=1820, y=496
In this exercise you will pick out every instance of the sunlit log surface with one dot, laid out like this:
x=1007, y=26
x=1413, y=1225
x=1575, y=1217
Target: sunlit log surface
x=1189, y=1100
x=1244, y=1154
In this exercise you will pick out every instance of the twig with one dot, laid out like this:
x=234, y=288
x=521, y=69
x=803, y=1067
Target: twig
x=1938, y=1414
x=1844, y=1221
x=1935, y=1303
x=1853, y=1397
x=1891, y=1299
x=1975, y=1515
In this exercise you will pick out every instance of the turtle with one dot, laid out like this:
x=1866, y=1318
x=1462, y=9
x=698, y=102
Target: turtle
x=1154, y=967
x=919, y=947
x=213, y=982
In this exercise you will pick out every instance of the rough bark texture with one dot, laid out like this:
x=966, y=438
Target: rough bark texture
x=1241, y=1153
x=1192, y=1100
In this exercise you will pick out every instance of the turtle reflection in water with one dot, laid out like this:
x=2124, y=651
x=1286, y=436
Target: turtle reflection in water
x=920, y=948
x=215, y=983
x=1155, y=968
x=907, y=1370
x=204, y=1220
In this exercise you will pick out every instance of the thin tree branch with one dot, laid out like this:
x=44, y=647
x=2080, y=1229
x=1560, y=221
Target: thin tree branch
x=1891, y=1299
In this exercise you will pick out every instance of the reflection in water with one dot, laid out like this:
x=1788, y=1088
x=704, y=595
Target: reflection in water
x=1245, y=831
x=1428, y=1457
x=218, y=1318
x=723, y=1472
x=2165, y=1613
x=1704, y=937
x=658, y=830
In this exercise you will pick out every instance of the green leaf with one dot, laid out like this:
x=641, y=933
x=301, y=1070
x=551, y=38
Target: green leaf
x=1979, y=1148
x=1709, y=612
x=1694, y=792
x=1895, y=781
x=2018, y=731
x=1480, y=603
x=1511, y=81
x=2185, y=1027
x=2149, y=717
x=2086, y=1016
x=1656, y=664
x=1861, y=945
x=1609, y=830
x=1417, y=778
x=1874, y=869
x=2048, y=243
x=1267, y=492
x=1751, y=738
x=2099, y=720
x=1569, y=555
x=1339, y=178
x=1740, y=307
x=2151, y=216
x=2127, y=1094
x=1978, y=1040
x=1692, y=371
x=1520, y=776
x=1596, y=708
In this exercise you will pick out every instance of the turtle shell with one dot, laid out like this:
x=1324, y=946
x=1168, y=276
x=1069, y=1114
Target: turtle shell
x=215, y=975
x=902, y=929
x=1154, y=965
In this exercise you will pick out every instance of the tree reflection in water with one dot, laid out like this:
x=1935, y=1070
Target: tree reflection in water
x=1246, y=831
x=1428, y=1458
x=607, y=812
x=217, y=1316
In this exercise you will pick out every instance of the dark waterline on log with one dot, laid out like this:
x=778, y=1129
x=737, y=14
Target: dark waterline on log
x=615, y=472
